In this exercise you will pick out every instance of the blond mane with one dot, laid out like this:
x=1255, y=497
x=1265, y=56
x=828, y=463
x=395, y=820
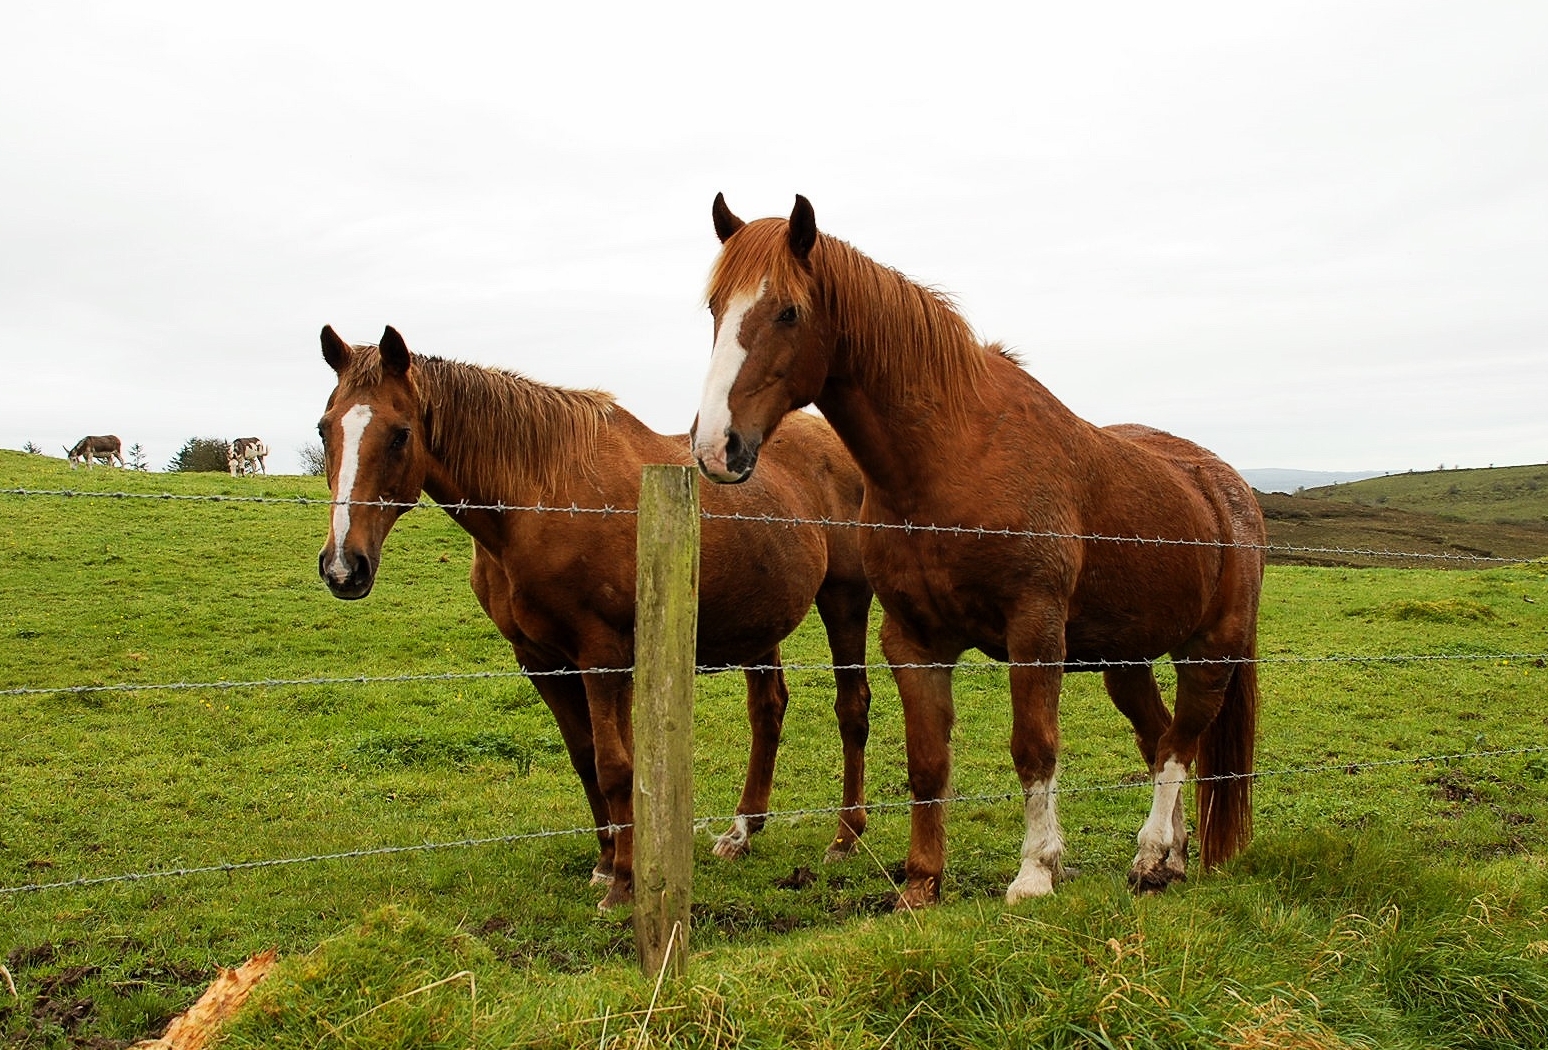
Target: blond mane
x=499, y=431
x=889, y=327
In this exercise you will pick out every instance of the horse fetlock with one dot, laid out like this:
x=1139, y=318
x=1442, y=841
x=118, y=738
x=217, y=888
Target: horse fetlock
x=847, y=840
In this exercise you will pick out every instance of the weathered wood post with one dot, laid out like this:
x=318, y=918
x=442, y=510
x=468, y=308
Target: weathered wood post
x=665, y=622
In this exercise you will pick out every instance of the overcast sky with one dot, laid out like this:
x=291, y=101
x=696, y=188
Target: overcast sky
x=1309, y=235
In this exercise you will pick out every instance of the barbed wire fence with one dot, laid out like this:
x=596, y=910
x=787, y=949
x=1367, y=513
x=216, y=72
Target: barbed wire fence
x=701, y=823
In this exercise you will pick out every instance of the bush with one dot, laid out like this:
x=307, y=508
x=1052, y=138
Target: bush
x=200, y=454
x=313, y=460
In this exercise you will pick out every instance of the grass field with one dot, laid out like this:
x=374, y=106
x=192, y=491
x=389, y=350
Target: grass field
x=1391, y=898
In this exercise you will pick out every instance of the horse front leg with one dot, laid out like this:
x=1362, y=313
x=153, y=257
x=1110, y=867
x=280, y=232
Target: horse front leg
x=1035, y=679
x=924, y=687
x=767, y=699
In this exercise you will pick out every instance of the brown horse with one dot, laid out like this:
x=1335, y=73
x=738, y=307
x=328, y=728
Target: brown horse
x=949, y=432
x=560, y=586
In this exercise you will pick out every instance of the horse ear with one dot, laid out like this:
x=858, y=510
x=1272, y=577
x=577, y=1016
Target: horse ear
x=725, y=223
x=803, y=228
x=335, y=350
x=395, y=352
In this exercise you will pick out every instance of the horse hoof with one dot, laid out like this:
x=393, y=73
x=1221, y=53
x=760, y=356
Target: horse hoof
x=1026, y=888
x=919, y=894
x=601, y=878
x=1153, y=881
x=616, y=897
x=840, y=850
x=730, y=846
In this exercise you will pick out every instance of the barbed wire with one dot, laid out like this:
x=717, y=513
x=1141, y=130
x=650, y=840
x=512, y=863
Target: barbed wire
x=768, y=519
x=787, y=815
x=908, y=528
x=251, y=865
x=707, y=669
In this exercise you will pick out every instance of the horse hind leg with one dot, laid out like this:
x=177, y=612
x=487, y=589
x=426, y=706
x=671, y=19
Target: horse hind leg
x=1201, y=692
x=1163, y=839
x=845, y=612
x=767, y=699
x=565, y=697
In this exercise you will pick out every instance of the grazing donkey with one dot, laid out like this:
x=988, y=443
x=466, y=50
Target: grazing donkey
x=105, y=447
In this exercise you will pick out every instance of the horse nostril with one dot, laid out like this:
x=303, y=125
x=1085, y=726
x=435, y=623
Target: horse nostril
x=734, y=446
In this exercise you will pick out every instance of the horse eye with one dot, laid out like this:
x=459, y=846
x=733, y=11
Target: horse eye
x=787, y=315
x=399, y=440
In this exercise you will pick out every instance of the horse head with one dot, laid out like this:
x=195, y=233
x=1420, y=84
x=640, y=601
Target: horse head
x=374, y=448
x=773, y=337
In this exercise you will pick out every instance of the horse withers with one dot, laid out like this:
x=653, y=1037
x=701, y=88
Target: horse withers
x=1004, y=522
x=560, y=584
x=88, y=450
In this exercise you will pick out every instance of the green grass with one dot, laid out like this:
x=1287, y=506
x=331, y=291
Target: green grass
x=1504, y=495
x=1382, y=905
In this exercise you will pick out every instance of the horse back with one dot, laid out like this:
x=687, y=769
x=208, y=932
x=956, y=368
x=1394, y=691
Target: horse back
x=758, y=577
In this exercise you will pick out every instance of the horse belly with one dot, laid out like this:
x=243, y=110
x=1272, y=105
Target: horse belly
x=1139, y=610
x=751, y=602
x=960, y=591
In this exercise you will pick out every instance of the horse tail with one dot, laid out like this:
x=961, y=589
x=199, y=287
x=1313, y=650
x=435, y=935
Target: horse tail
x=1224, y=767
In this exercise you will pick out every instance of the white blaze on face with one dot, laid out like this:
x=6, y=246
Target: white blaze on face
x=353, y=425
x=725, y=365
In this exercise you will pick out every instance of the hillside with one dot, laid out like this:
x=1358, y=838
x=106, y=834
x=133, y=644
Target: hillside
x=1496, y=495
x=1494, y=512
x=1321, y=528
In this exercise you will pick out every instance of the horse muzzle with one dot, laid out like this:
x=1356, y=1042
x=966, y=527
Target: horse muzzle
x=730, y=460
x=349, y=576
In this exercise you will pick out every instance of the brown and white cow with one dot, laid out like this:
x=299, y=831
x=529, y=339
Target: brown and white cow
x=247, y=455
x=87, y=450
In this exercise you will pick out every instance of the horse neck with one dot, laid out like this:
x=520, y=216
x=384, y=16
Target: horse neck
x=900, y=444
x=908, y=379
x=498, y=438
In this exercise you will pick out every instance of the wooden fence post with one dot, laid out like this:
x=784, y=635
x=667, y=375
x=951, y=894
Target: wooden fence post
x=665, y=622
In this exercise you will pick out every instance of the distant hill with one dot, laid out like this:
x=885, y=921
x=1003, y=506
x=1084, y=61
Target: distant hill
x=1327, y=532
x=1278, y=479
x=1496, y=495
x=1496, y=512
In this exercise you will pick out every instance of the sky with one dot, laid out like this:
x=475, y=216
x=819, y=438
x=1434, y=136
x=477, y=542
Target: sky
x=1306, y=235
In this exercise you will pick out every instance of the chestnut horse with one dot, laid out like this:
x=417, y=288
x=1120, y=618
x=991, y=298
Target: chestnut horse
x=560, y=585
x=953, y=433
